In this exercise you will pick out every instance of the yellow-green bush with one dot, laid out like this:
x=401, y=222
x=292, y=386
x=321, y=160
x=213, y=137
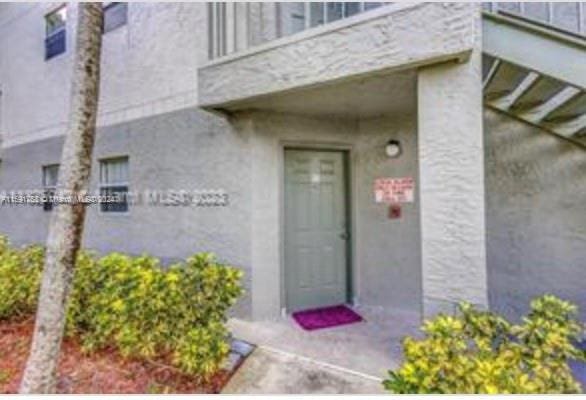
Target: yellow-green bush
x=145, y=310
x=481, y=352
x=136, y=305
x=20, y=273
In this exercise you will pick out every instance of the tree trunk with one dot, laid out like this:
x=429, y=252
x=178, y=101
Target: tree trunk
x=66, y=227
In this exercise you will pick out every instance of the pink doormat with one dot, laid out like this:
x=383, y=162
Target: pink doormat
x=326, y=317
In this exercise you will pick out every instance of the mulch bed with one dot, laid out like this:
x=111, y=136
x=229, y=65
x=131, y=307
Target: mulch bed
x=101, y=372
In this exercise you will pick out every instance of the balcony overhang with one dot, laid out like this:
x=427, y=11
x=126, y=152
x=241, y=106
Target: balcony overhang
x=378, y=42
x=536, y=74
x=541, y=49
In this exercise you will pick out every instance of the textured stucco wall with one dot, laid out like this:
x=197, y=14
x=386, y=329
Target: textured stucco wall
x=183, y=150
x=144, y=78
x=535, y=198
x=196, y=150
x=401, y=35
x=386, y=253
x=451, y=171
x=149, y=66
x=536, y=215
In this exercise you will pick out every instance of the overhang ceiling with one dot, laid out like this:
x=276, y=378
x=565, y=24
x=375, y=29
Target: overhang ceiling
x=359, y=98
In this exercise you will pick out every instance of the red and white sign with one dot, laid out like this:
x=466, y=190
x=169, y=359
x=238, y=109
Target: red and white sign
x=394, y=190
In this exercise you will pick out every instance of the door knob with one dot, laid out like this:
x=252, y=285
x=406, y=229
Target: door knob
x=344, y=235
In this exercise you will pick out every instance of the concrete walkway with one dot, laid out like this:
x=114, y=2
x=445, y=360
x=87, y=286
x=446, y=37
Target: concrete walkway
x=269, y=371
x=371, y=347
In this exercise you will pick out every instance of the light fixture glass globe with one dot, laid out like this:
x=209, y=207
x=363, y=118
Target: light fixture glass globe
x=393, y=149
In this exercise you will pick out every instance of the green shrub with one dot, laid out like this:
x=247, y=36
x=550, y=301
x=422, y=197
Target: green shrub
x=202, y=349
x=135, y=305
x=480, y=352
x=20, y=274
x=144, y=310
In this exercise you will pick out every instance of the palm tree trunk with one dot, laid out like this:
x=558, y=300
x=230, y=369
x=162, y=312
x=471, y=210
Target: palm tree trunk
x=66, y=227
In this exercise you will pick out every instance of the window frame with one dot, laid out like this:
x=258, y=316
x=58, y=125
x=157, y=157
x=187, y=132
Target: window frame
x=62, y=30
x=326, y=11
x=110, y=6
x=48, y=188
x=104, y=186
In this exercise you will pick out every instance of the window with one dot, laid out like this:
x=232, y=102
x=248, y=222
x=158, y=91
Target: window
x=217, y=29
x=316, y=11
x=114, y=184
x=351, y=9
x=370, y=6
x=292, y=17
x=335, y=11
x=296, y=17
x=50, y=176
x=115, y=15
x=55, y=32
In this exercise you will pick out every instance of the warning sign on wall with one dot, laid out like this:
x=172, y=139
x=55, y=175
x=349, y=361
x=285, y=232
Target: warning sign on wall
x=394, y=190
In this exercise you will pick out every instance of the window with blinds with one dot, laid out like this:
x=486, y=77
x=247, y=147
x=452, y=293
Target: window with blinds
x=50, y=177
x=114, y=178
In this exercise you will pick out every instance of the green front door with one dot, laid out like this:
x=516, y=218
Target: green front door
x=316, y=229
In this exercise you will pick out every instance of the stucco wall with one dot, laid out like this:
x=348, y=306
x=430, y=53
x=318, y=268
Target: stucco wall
x=451, y=170
x=183, y=150
x=192, y=149
x=149, y=66
x=535, y=183
x=386, y=253
x=536, y=215
x=395, y=36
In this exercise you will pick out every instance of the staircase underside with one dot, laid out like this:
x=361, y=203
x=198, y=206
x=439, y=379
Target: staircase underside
x=536, y=74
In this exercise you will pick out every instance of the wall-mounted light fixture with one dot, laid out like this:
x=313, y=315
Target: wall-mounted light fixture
x=393, y=148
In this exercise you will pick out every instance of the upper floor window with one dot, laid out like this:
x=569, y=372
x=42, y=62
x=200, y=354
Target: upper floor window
x=296, y=17
x=50, y=177
x=115, y=15
x=232, y=27
x=114, y=184
x=55, y=32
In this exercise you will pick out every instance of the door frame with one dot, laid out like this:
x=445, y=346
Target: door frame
x=349, y=174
